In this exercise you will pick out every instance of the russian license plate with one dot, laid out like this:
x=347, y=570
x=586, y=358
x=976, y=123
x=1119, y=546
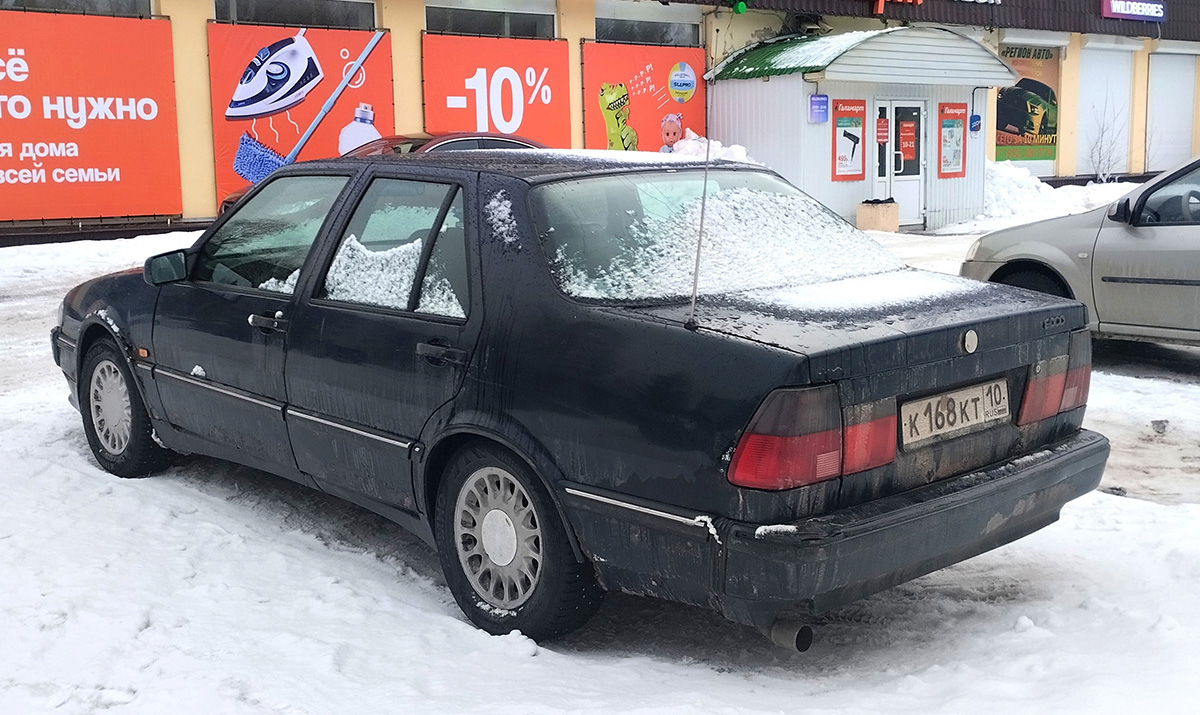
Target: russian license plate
x=953, y=413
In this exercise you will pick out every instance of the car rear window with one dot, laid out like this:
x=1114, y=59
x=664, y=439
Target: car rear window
x=633, y=237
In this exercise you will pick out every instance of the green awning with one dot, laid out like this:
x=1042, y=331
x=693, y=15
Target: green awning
x=788, y=55
x=897, y=55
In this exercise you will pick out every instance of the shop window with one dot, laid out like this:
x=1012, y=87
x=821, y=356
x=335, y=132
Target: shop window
x=124, y=8
x=349, y=14
x=648, y=23
x=489, y=22
x=648, y=33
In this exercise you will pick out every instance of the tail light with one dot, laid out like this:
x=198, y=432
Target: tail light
x=1059, y=384
x=1079, y=372
x=796, y=438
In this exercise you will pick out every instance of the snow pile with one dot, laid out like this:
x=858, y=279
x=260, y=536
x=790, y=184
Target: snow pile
x=694, y=145
x=1011, y=190
x=1014, y=196
x=752, y=239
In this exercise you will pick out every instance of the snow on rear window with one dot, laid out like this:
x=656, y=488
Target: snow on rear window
x=896, y=289
x=632, y=237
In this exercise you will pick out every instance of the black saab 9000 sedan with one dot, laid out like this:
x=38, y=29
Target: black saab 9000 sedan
x=498, y=350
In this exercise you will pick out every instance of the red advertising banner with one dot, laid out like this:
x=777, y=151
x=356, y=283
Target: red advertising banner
x=952, y=141
x=490, y=84
x=908, y=141
x=849, y=122
x=87, y=117
x=882, y=130
x=269, y=85
x=641, y=97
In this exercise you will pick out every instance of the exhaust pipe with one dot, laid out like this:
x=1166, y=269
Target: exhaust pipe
x=792, y=635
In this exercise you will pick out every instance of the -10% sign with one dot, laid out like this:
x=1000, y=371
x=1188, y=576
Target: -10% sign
x=497, y=84
x=490, y=96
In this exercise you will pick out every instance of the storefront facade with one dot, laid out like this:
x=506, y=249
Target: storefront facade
x=83, y=140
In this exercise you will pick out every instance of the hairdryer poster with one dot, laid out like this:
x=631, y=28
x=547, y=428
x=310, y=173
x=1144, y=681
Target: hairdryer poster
x=269, y=85
x=641, y=97
x=849, y=119
x=952, y=141
x=82, y=135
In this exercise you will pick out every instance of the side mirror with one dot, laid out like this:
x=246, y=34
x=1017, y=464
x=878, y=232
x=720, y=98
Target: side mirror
x=1120, y=212
x=165, y=268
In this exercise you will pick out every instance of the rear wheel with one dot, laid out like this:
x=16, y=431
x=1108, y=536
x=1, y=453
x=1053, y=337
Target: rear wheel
x=1036, y=280
x=505, y=551
x=115, y=420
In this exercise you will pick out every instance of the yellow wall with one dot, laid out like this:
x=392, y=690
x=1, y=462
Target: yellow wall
x=726, y=32
x=406, y=20
x=1139, y=106
x=576, y=21
x=189, y=37
x=1068, y=107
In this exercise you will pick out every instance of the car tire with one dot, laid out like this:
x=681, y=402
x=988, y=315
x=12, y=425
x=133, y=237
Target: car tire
x=115, y=421
x=1035, y=280
x=504, y=549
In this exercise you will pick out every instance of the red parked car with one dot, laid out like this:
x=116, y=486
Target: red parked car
x=419, y=144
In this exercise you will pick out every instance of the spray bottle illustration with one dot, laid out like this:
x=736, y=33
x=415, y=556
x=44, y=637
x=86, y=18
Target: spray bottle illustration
x=361, y=130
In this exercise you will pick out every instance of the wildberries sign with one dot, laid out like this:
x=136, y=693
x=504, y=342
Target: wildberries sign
x=1144, y=10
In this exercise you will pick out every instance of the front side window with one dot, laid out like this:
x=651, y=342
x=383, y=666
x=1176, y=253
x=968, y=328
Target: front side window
x=1177, y=202
x=264, y=244
x=400, y=231
x=633, y=237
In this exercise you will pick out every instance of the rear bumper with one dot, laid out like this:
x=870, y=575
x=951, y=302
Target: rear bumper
x=752, y=573
x=829, y=561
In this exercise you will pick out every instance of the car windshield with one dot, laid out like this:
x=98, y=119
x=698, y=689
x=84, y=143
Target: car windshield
x=632, y=237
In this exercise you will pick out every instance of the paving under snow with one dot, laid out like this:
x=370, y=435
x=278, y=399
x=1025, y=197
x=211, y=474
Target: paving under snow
x=218, y=589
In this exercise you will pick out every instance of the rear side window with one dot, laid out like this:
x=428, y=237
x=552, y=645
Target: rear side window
x=264, y=244
x=402, y=234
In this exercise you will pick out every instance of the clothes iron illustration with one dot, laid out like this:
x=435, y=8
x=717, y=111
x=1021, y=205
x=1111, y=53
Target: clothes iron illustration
x=279, y=77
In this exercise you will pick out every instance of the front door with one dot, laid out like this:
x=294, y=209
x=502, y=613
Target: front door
x=1147, y=273
x=900, y=160
x=219, y=335
x=385, y=338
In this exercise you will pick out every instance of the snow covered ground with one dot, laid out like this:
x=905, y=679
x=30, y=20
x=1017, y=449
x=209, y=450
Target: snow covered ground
x=218, y=589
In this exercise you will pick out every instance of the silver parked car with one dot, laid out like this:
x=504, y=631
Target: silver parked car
x=1135, y=263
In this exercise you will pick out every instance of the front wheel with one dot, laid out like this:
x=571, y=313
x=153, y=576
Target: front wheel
x=1035, y=280
x=504, y=550
x=115, y=420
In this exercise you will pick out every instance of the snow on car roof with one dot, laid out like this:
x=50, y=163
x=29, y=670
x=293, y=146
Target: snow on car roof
x=537, y=165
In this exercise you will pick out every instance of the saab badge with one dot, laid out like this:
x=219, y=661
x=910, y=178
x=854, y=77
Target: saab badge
x=970, y=342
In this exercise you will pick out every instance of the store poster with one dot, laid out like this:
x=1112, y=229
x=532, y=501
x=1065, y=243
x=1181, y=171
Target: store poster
x=952, y=141
x=849, y=120
x=269, y=84
x=1027, y=112
x=81, y=134
x=492, y=84
x=641, y=97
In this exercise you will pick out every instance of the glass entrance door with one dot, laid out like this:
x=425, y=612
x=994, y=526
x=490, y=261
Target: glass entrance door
x=900, y=160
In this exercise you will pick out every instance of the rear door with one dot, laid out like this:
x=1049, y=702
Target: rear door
x=1148, y=273
x=385, y=335
x=219, y=336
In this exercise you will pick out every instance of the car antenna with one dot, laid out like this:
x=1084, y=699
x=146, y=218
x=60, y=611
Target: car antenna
x=691, y=321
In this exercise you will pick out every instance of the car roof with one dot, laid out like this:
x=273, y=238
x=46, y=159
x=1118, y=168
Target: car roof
x=536, y=165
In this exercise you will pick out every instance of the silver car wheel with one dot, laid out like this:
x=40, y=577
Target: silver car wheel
x=108, y=402
x=498, y=537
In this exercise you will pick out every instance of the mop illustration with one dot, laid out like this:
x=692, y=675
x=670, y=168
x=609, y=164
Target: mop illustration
x=254, y=160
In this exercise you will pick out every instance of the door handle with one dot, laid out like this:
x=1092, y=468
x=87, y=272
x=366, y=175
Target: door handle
x=441, y=354
x=268, y=323
x=899, y=154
